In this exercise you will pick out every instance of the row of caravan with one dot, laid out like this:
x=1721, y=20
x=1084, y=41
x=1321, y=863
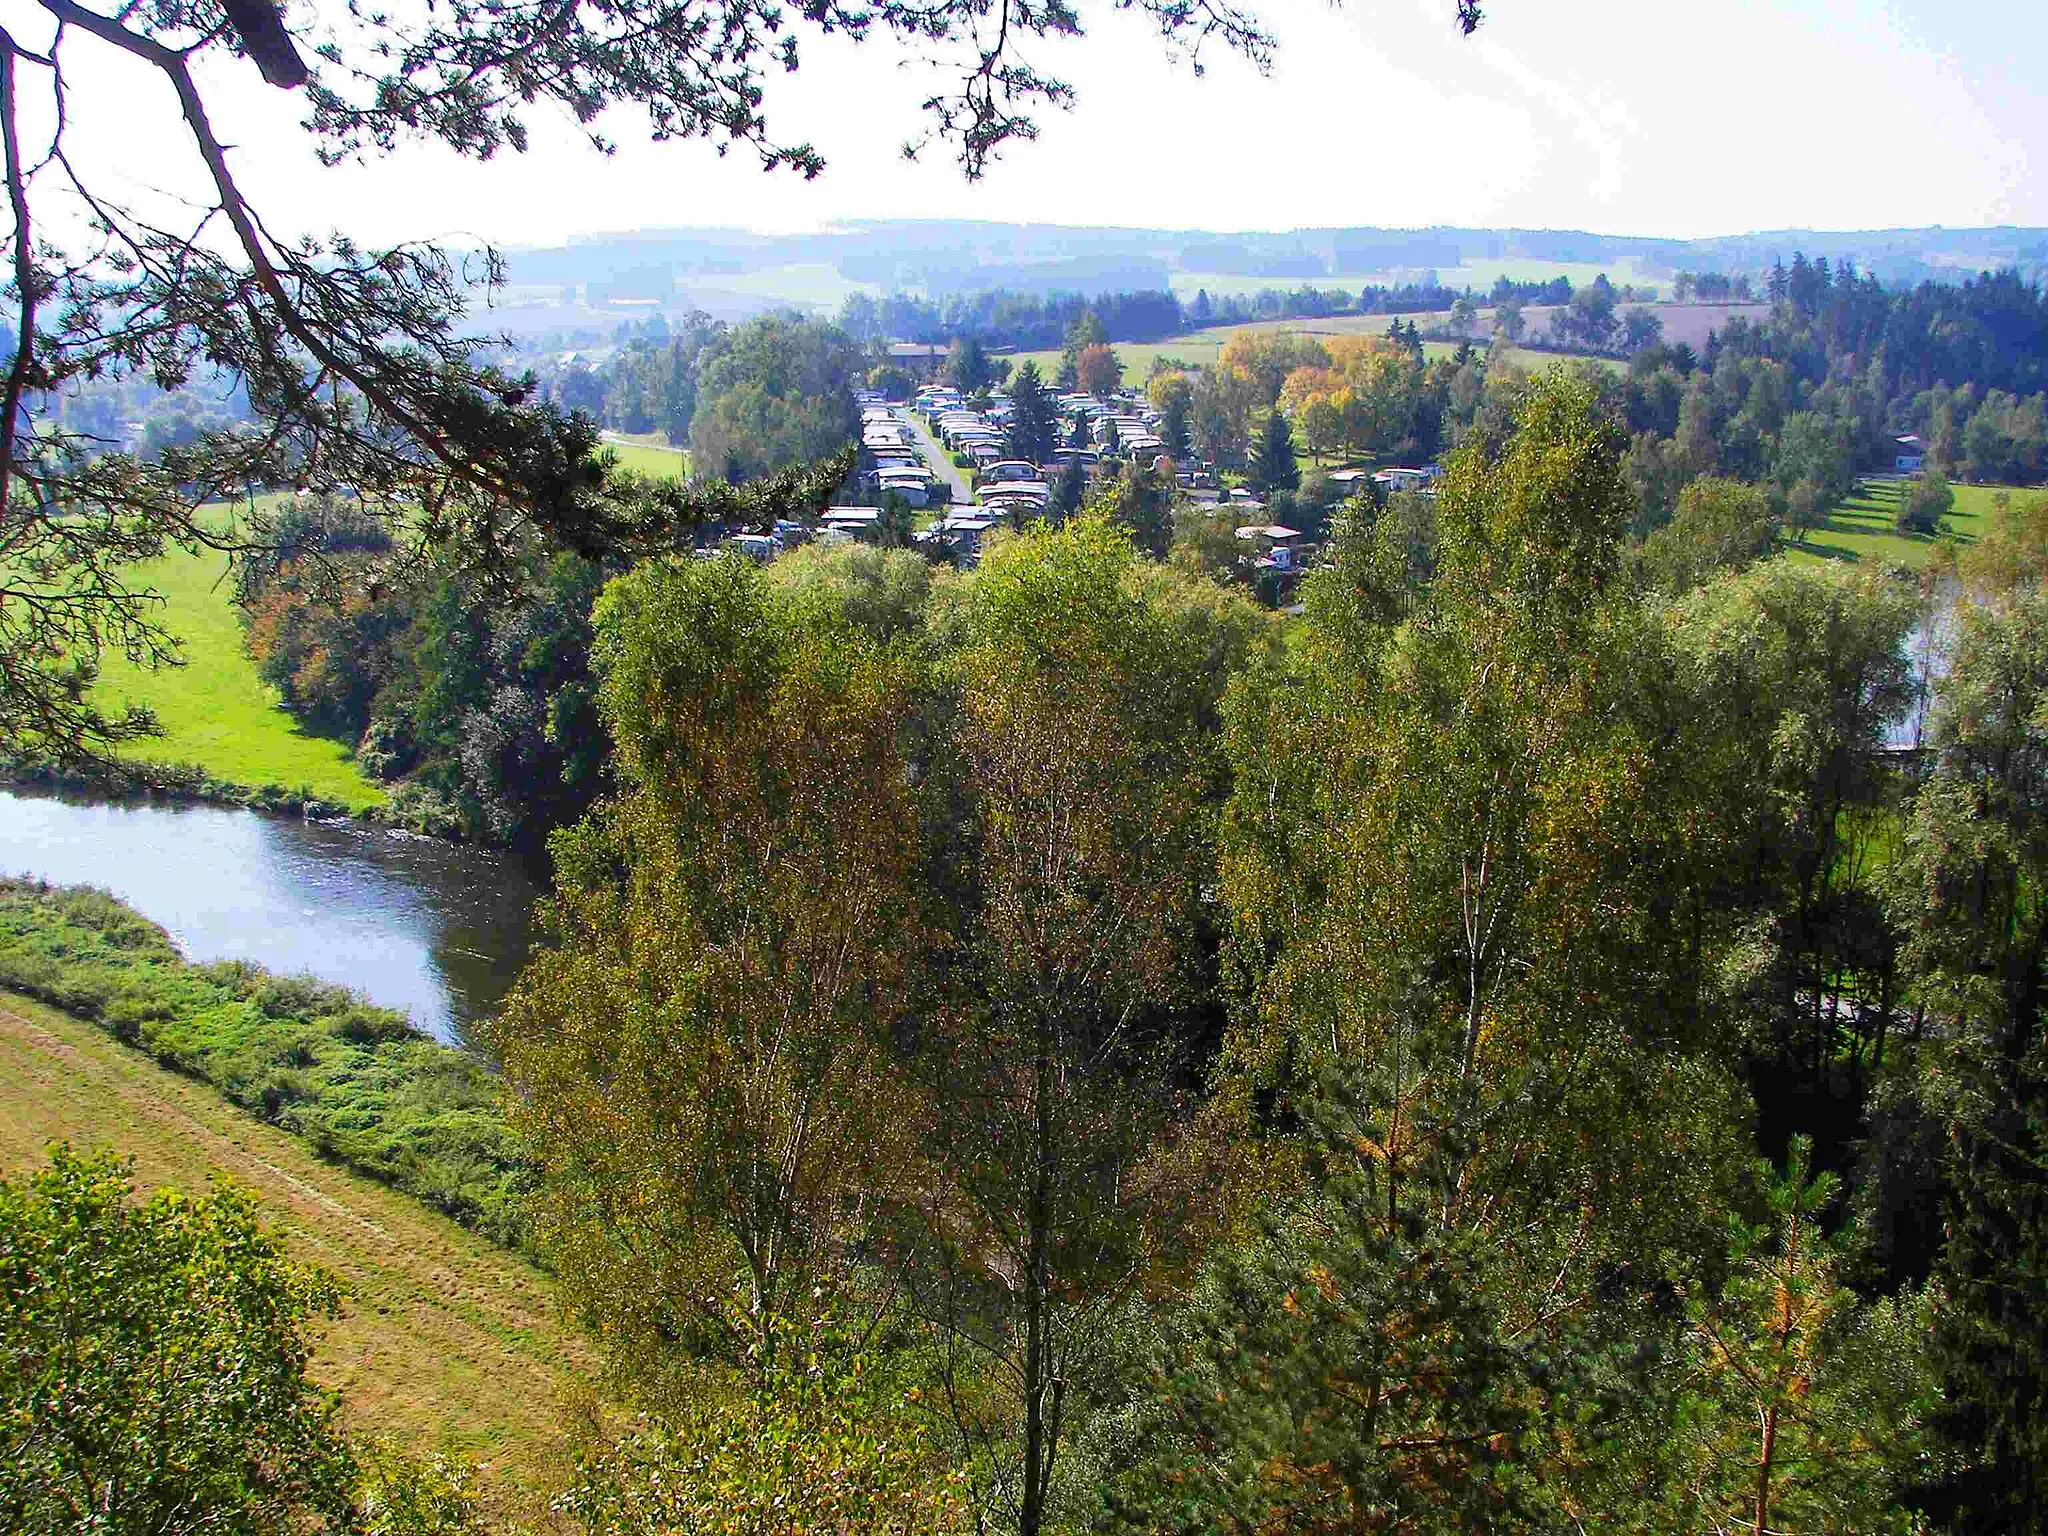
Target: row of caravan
x=891, y=461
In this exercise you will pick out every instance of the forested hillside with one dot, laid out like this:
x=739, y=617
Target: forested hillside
x=1284, y=884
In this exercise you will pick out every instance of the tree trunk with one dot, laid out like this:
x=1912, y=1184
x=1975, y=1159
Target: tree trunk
x=1037, y=1449
x=1763, y=1470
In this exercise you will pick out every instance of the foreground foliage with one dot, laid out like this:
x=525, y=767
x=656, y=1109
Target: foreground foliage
x=153, y=1375
x=812, y=1438
x=152, y=1364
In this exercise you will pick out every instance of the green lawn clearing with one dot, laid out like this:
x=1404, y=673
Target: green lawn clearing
x=1864, y=528
x=217, y=714
x=648, y=453
x=1204, y=347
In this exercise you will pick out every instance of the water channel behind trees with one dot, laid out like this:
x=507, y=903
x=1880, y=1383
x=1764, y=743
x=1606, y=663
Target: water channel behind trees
x=433, y=929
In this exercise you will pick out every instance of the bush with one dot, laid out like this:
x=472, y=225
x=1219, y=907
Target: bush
x=1927, y=500
x=159, y=1363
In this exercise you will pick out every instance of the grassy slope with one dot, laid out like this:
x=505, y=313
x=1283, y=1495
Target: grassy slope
x=216, y=712
x=447, y=1342
x=1862, y=527
x=1202, y=348
x=648, y=454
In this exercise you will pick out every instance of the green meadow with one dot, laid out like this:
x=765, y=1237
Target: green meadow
x=1864, y=526
x=648, y=453
x=217, y=714
x=1204, y=347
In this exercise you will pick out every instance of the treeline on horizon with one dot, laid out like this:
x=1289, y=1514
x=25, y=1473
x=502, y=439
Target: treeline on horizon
x=1029, y=323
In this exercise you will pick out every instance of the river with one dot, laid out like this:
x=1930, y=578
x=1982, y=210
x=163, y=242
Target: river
x=432, y=929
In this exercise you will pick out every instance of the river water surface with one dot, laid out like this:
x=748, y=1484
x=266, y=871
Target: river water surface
x=432, y=929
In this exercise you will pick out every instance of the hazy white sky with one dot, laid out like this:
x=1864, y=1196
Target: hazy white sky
x=1667, y=119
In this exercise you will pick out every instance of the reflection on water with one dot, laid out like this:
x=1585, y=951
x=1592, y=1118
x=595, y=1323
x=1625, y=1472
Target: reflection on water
x=434, y=930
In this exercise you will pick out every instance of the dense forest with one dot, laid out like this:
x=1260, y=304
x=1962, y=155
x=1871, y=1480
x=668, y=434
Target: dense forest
x=1513, y=1047
x=1512, y=1051
x=1538, y=1023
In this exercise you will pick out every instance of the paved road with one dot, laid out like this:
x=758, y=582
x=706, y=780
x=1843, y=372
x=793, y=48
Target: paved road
x=950, y=475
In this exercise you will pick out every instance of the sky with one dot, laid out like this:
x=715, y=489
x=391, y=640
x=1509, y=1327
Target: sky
x=1673, y=120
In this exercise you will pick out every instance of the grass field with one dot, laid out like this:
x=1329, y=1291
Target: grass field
x=648, y=453
x=1202, y=348
x=446, y=1342
x=1862, y=527
x=815, y=284
x=216, y=712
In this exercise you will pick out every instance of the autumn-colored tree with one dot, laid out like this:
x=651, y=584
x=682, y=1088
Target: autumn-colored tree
x=1085, y=332
x=1362, y=396
x=699, y=1049
x=1099, y=370
x=1264, y=359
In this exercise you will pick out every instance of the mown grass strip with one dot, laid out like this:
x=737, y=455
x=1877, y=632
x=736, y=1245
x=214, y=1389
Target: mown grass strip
x=446, y=1341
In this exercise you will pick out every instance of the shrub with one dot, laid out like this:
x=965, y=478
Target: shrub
x=1927, y=500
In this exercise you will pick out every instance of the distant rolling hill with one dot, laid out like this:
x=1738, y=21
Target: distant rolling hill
x=733, y=273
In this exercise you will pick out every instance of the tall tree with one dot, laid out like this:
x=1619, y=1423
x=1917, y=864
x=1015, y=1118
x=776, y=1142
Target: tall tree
x=1034, y=428
x=1084, y=769
x=1273, y=467
x=699, y=1048
x=1794, y=676
x=1071, y=489
x=1453, y=821
x=1174, y=397
x=1976, y=851
x=970, y=369
x=1141, y=501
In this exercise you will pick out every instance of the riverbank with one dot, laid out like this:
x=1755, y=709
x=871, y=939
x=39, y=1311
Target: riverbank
x=359, y=1086
x=182, y=784
x=446, y=1341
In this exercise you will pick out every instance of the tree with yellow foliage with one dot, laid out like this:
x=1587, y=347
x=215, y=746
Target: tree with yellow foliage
x=1803, y=1407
